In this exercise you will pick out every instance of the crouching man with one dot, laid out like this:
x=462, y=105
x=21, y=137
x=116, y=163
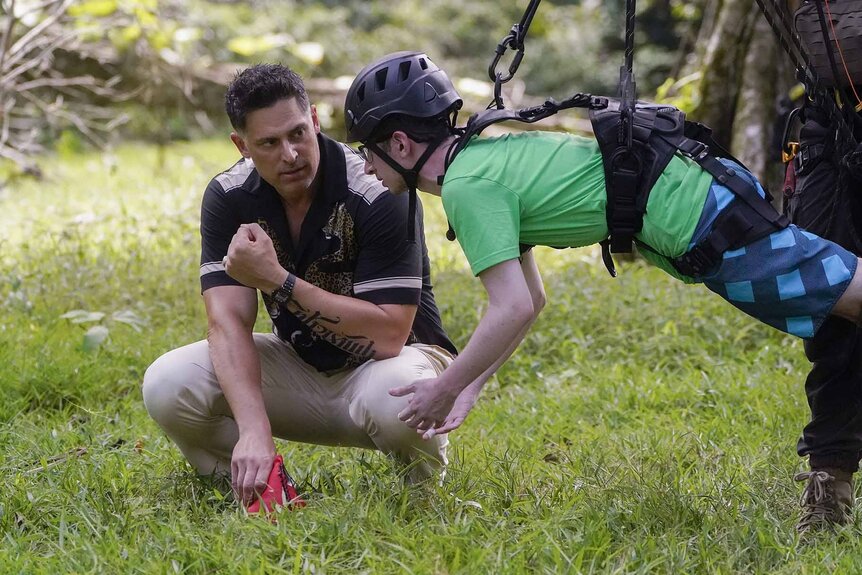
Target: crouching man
x=350, y=299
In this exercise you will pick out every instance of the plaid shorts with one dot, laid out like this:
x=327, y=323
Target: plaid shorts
x=789, y=279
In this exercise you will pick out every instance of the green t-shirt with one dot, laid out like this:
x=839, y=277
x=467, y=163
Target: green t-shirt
x=548, y=189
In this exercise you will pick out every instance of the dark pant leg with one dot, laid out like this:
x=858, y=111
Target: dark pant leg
x=833, y=437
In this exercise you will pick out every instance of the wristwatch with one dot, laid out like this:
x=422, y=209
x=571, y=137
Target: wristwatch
x=282, y=294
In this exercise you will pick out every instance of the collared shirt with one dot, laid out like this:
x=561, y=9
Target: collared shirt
x=353, y=242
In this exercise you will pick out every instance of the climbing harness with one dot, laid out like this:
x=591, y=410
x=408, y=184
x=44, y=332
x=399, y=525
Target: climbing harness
x=808, y=72
x=637, y=140
x=806, y=40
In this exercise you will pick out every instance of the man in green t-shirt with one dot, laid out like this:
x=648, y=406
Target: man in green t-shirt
x=503, y=195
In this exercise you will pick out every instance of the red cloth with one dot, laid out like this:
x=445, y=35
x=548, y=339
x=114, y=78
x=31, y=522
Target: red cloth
x=789, y=180
x=280, y=491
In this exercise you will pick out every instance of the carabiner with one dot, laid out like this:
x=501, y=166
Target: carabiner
x=788, y=148
x=512, y=40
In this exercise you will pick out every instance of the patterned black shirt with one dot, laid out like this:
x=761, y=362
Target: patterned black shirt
x=353, y=242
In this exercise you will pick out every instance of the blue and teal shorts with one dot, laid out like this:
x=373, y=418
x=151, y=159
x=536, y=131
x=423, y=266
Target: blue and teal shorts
x=790, y=279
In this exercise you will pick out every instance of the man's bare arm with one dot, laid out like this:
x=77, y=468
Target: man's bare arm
x=467, y=398
x=231, y=313
x=510, y=311
x=359, y=327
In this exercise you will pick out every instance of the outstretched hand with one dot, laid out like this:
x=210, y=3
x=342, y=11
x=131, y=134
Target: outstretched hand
x=434, y=408
x=462, y=406
x=430, y=404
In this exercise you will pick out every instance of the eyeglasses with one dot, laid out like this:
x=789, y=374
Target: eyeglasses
x=365, y=153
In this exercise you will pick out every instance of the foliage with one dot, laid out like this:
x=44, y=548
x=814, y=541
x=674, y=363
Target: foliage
x=157, y=68
x=644, y=426
x=38, y=98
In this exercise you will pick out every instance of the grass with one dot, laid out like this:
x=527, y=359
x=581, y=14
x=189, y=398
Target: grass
x=644, y=426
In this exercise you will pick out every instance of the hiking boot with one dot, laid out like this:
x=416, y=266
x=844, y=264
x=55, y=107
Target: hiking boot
x=827, y=499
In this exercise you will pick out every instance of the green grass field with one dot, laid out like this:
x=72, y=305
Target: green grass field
x=644, y=426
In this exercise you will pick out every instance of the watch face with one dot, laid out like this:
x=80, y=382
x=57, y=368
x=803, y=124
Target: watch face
x=280, y=296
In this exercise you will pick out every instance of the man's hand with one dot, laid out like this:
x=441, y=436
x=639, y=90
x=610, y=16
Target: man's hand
x=250, y=465
x=462, y=406
x=430, y=405
x=251, y=259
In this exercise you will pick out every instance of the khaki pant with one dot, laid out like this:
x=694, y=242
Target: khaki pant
x=349, y=408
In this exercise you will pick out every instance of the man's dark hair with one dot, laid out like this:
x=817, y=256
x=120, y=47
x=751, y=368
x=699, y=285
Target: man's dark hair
x=418, y=129
x=261, y=86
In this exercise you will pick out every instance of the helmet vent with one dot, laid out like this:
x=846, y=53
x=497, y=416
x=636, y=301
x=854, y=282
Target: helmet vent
x=360, y=94
x=423, y=64
x=403, y=70
x=380, y=78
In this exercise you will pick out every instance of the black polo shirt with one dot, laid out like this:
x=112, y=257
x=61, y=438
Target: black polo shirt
x=353, y=242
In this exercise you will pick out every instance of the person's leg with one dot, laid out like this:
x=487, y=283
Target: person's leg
x=373, y=409
x=832, y=439
x=183, y=395
x=349, y=408
x=849, y=305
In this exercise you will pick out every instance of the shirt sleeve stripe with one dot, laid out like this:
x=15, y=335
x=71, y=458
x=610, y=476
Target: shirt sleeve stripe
x=388, y=283
x=211, y=267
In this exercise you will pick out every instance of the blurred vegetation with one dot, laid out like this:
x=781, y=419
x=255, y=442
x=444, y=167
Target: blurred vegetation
x=644, y=426
x=170, y=59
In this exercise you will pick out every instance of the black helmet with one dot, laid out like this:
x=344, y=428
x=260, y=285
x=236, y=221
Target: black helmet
x=399, y=83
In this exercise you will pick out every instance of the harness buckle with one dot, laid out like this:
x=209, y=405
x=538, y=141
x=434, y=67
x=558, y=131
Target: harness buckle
x=696, y=261
x=697, y=151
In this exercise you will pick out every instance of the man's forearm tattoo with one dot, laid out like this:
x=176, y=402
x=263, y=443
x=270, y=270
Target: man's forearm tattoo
x=320, y=325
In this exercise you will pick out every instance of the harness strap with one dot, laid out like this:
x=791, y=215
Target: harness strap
x=809, y=156
x=481, y=120
x=699, y=152
x=626, y=200
x=736, y=226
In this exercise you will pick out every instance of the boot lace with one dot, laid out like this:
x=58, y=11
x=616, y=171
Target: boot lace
x=818, y=501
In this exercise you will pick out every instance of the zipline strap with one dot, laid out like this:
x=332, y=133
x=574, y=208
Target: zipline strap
x=624, y=167
x=514, y=40
x=627, y=89
x=630, y=35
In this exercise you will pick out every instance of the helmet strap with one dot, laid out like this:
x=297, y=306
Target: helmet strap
x=411, y=178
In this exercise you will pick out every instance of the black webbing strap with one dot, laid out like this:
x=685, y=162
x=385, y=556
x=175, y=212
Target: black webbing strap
x=809, y=156
x=748, y=218
x=626, y=196
x=481, y=120
x=699, y=152
x=411, y=178
x=736, y=226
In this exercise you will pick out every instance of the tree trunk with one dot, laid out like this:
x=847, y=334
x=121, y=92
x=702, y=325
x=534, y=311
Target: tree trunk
x=743, y=74
x=762, y=83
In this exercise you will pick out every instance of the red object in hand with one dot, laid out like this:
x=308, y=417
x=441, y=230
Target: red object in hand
x=280, y=490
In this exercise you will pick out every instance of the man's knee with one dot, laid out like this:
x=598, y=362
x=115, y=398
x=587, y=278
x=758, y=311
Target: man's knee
x=849, y=305
x=167, y=385
x=377, y=411
x=403, y=370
